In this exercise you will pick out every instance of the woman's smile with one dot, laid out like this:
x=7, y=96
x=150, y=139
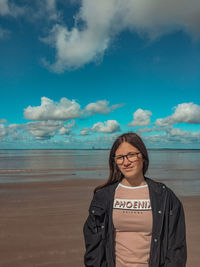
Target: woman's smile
x=128, y=168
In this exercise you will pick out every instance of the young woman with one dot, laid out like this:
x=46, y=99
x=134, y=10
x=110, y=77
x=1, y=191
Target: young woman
x=134, y=221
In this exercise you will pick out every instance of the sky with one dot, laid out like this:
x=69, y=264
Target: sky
x=78, y=73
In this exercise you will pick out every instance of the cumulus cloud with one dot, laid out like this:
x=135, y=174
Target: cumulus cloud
x=110, y=126
x=3, y=132
x=8, y=8
x=50, y=110
x=85, y=131
x=11, y=132
x=185, y=112
x=42, y=130
x=66, y=129
x=173, y=136
x=100, y=107
x=66, y=109
x=141, y=117
x=98, y=22
x=16, y=132
x=39, y=130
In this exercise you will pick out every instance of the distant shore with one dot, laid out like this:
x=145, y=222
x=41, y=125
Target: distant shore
x=149, y=149
x=41, y=223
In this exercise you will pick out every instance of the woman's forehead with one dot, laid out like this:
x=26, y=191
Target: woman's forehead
x=125, y=148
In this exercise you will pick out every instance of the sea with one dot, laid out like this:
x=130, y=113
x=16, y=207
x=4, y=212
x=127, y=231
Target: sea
x=177, y=168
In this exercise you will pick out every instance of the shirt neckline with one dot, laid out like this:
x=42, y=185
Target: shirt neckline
x=133, y=187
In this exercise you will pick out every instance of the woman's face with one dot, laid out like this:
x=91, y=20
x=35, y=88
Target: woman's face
x=129, y=160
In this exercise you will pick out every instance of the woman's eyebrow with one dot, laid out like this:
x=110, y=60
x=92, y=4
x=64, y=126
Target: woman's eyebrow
x=127, y=153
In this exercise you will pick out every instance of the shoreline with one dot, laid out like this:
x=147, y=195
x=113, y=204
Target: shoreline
x=41, y=223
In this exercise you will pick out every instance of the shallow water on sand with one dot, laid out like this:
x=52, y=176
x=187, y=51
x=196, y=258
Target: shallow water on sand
x=179, y=169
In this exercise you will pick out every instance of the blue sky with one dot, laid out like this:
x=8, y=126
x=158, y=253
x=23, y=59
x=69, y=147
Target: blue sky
x=76, y=74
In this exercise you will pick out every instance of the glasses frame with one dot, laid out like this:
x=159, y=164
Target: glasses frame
x=126, y=156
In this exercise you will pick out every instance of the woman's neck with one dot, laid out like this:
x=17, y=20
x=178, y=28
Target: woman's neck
x=133, y=181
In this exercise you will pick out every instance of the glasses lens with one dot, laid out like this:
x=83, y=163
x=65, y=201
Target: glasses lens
x=132, y=156
x=119, y=160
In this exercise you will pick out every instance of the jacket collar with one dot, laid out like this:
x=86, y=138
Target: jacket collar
x=155, y=186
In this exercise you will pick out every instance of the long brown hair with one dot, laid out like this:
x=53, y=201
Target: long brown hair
x=115, y=174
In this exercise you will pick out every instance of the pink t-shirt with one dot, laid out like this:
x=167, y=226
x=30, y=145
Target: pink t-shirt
x=132, y=218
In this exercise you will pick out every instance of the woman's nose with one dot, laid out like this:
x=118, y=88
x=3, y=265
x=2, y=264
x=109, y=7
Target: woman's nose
x=126, y=161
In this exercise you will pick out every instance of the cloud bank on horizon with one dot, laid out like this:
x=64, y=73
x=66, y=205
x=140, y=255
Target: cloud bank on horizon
x=53, y=119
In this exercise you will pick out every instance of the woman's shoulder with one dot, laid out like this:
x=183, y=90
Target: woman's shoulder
x=163, y=188
x=107, y=189
x=103, y=195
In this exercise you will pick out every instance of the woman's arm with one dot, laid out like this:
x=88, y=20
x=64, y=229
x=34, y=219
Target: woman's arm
x=94, y=234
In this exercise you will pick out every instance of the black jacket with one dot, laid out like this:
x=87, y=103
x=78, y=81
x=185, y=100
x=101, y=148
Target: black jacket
x=168, y=245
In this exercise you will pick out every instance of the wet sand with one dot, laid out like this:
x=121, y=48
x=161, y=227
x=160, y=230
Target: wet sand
x=41, y=223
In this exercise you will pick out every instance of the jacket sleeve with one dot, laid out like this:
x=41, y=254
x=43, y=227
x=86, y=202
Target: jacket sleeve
x=94, y=234
x=177, y=250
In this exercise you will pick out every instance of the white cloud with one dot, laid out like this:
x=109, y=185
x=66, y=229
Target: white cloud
x=42, y=130
x=100, y=107
x=66, y=109
x=98, y=22
x=50, y=110
x=185, y=112
x=8, y=8
x=141, y=117
x=66, y=129
x=16, y=132
x=11, y=132
x=39, y=130
x=85, y=131
x=110, y=126
x=3, y=132
x=173, y=137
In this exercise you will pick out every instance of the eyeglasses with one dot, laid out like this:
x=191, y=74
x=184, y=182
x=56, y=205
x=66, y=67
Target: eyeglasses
x=133, y=156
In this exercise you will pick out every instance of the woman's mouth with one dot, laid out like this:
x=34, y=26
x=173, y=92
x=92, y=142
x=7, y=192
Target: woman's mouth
x=128, y=168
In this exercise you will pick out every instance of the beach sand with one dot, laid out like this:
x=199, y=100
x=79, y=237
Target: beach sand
x=41, y=223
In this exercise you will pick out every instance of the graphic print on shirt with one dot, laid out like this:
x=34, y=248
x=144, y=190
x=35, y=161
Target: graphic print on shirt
x=132, y=204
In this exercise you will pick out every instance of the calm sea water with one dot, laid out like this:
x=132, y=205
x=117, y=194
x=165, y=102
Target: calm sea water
x=179, y=169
